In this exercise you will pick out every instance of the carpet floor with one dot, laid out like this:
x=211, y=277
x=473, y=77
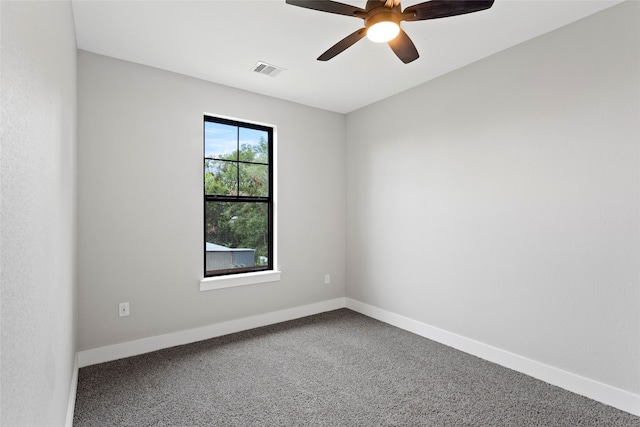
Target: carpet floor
x=333, y=369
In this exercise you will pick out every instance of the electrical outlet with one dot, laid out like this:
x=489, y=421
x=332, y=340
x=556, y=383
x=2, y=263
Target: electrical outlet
x=327, y=279
x=124, y=309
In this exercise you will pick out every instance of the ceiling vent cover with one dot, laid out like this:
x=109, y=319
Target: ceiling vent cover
x=267, y=69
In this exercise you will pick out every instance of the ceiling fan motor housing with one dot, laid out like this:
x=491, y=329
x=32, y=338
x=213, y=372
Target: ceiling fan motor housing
x=382, y=14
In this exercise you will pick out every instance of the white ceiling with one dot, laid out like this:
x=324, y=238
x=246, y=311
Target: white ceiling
x=221, y=40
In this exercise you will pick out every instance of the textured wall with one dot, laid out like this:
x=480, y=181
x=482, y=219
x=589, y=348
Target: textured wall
x=140, y=202
x=37, y=211
x=501, y=202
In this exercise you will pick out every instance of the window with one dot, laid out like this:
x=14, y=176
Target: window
x=238, y=197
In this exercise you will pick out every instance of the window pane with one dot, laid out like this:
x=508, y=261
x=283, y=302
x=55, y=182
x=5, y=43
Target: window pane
x=254, y=145
x=254, y=180
x=237, y=236
x=220, y=141
x=220, y=178
x=236, y=168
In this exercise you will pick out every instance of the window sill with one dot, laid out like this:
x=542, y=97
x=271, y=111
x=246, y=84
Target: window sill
x=221, y=282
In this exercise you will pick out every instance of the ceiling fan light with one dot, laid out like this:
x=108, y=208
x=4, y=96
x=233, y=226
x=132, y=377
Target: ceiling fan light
x=383, y=31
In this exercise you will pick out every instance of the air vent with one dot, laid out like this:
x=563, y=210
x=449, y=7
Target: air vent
x=267, y=69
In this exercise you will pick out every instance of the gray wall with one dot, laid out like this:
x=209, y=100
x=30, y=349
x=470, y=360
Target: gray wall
x=37, y=211
x=140, y=202
x=501, y=202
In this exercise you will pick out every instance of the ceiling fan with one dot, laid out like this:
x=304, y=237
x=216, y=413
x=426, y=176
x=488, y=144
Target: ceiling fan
x=382, y=21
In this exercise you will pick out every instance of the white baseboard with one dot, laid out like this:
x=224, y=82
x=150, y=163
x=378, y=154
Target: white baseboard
x=595, y=390
x=73, y=388
x=159, y=342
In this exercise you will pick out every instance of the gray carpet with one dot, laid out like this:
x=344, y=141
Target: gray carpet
x=333, y=369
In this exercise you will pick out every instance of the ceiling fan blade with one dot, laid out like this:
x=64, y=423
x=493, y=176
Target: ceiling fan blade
x=343, y=44
x=329, y=6
x=443, y=8
x=404, y=48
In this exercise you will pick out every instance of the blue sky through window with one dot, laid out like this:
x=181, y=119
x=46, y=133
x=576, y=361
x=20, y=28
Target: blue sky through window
x=221, y=139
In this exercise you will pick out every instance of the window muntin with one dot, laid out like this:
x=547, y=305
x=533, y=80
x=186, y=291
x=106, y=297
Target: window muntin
x=238, y=197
